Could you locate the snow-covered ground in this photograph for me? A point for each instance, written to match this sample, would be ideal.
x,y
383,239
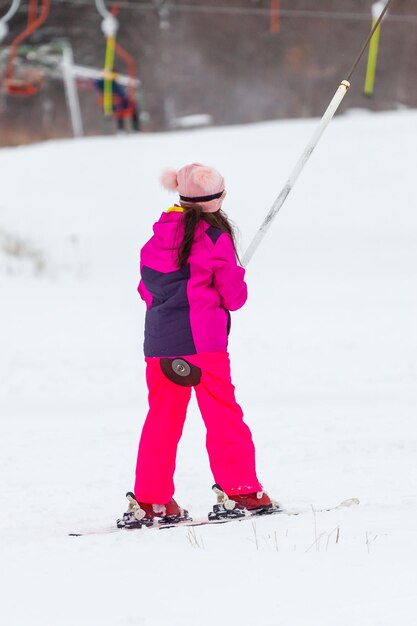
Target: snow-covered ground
x,y
324,361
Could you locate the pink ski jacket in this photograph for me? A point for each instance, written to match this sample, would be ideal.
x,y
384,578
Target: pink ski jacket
x,y
188,309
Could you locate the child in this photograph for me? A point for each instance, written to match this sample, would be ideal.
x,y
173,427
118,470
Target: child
x,y
190,280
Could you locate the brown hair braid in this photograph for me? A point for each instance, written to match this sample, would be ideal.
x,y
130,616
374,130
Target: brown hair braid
x,y
193,214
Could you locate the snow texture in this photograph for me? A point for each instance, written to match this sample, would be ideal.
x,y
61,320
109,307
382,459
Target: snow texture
x,y
324,363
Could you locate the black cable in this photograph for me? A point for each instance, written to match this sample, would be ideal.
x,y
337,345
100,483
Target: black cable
x,y
365,45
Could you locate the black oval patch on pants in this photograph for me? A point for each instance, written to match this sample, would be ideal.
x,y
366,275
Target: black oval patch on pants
x,y
181,372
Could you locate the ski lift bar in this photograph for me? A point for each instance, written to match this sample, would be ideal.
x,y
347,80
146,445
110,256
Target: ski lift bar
x,y
71,94
101,8
14,7
82,71
4,29
328,115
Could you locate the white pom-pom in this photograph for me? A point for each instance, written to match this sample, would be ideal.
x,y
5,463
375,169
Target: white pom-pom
x,y
169,179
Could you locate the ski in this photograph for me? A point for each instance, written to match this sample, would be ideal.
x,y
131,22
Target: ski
x,y
189,522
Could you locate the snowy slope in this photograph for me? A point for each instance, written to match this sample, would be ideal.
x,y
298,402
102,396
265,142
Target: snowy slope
x,y
324,361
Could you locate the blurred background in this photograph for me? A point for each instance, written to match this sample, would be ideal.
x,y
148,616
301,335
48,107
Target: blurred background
x,y
172,64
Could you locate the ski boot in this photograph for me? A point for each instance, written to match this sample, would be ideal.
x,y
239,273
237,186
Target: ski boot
x,y
240,505
257,503
141,514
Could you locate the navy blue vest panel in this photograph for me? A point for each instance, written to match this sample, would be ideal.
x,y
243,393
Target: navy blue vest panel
x,y
214,233
167,321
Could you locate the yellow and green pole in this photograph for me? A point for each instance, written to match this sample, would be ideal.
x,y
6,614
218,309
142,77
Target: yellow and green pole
x,y
368,90
109,26
108,76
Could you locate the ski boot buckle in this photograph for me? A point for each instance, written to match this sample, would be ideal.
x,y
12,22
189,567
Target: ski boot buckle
x,y
225,508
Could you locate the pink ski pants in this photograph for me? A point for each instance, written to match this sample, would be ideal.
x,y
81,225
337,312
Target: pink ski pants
x,y
228,441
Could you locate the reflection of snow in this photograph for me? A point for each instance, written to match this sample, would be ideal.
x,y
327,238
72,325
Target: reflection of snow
x,y
192,121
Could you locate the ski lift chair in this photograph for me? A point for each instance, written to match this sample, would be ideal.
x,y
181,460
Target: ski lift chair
x,y
27,82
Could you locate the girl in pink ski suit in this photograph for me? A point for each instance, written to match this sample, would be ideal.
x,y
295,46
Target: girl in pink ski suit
x,y
190,281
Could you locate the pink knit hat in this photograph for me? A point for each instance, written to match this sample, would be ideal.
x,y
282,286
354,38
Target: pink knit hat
x,y
196,183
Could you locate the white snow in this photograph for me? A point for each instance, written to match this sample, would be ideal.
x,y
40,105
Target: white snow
x,y
324,362
191,121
